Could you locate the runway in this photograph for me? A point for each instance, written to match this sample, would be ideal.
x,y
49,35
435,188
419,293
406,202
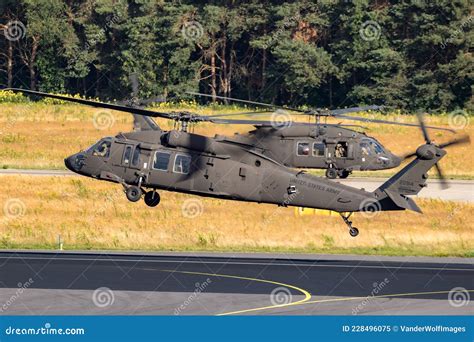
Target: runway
x,y
58,283
459,190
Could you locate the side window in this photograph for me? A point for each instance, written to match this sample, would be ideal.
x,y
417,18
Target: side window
x,y
126,155
182,163
341,149
161,160
303,149
136,156
319,149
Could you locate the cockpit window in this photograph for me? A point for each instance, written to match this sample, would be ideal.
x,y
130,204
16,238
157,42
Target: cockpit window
x,y
102,148
370,146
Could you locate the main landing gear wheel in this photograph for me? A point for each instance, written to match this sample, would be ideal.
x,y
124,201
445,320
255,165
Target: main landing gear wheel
x,y
152,198
344,174
134,193
353,231
331,173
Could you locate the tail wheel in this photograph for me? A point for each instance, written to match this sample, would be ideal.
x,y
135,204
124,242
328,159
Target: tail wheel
x,y
331,173
152,198
133,193
354,231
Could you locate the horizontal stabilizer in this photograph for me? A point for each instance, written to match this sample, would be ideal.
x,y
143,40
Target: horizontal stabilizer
x,y
403,201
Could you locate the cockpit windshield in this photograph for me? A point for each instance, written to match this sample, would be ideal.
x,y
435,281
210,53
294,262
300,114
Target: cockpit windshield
x,y
101,148
371,146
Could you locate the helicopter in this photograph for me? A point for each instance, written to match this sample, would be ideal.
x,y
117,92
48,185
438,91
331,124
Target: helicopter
x,y
338,148
152,159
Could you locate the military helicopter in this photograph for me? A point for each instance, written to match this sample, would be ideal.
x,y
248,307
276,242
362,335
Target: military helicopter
x,y
338,148
152,159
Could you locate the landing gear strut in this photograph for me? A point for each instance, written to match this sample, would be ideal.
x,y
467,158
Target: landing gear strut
x,y
353,231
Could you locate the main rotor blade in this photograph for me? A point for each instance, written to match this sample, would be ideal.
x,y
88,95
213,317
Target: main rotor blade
x,y
358,118
343,111
423,127
465,139
97,104
275,124
261,112
443,182
246,101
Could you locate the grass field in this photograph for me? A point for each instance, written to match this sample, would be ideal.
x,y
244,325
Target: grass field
x,y
89,214
40,135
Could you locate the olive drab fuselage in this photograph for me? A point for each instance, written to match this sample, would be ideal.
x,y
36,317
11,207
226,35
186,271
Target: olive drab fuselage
x,y
217,167
320,147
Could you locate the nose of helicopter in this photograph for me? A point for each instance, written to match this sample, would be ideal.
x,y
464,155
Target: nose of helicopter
x,y
69,163
395,160
74,162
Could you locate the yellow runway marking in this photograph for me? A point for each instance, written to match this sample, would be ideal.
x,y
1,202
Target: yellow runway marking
x,y
307,298
299,302
381,296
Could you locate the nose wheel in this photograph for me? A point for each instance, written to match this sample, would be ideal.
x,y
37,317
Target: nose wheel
x,y
353,231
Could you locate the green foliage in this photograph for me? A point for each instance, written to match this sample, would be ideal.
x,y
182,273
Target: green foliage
x,y
406,54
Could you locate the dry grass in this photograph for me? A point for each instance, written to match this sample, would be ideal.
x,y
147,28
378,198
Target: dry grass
x,y
40,135
90,214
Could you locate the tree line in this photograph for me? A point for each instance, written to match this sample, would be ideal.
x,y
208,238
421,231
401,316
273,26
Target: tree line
x,y
412,54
